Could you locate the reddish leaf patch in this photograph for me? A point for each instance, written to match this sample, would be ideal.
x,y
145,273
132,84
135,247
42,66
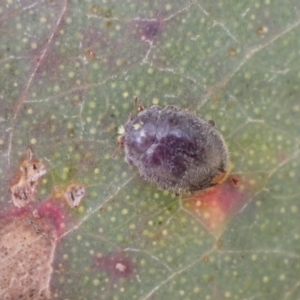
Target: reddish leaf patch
x,y
117,265
216,206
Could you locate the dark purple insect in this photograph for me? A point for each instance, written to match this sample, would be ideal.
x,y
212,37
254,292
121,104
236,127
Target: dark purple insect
x,y
175,149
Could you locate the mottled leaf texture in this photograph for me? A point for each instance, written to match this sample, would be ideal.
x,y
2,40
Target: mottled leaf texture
x,y
77,224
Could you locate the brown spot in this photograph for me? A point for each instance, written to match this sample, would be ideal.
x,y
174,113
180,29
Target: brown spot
x,y
23,191
108,24
74,194
235,180
232,52
95,9
219,244
262,30
90,54
206,258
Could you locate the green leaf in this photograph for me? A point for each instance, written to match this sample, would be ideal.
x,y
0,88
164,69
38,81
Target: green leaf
x,y
69,73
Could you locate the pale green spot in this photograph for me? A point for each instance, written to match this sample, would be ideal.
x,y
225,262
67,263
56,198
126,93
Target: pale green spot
x,y
294,209
265,279
150,71
71,74
92,104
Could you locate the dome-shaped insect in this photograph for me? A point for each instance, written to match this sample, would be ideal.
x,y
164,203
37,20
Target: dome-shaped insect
x,y
175,149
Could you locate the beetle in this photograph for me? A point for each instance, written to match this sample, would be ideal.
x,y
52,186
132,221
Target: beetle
x,y
175,149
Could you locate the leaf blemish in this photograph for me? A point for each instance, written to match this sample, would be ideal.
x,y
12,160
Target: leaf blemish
x,y
24,189
147,30
117,265
216,206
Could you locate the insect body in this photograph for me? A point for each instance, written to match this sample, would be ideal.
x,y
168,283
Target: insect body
x,y
175,149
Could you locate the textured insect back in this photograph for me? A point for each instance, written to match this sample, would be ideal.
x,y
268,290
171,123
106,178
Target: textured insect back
x,y
175,149
140,133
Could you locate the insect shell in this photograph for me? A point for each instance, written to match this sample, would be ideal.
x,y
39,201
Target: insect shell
x,y
175,149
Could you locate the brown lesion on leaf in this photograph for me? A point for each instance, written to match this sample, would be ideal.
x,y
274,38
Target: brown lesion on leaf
x,y
219,244
72,194
206,258
262,30
95,9
23,191
235,181
232,52
90,54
